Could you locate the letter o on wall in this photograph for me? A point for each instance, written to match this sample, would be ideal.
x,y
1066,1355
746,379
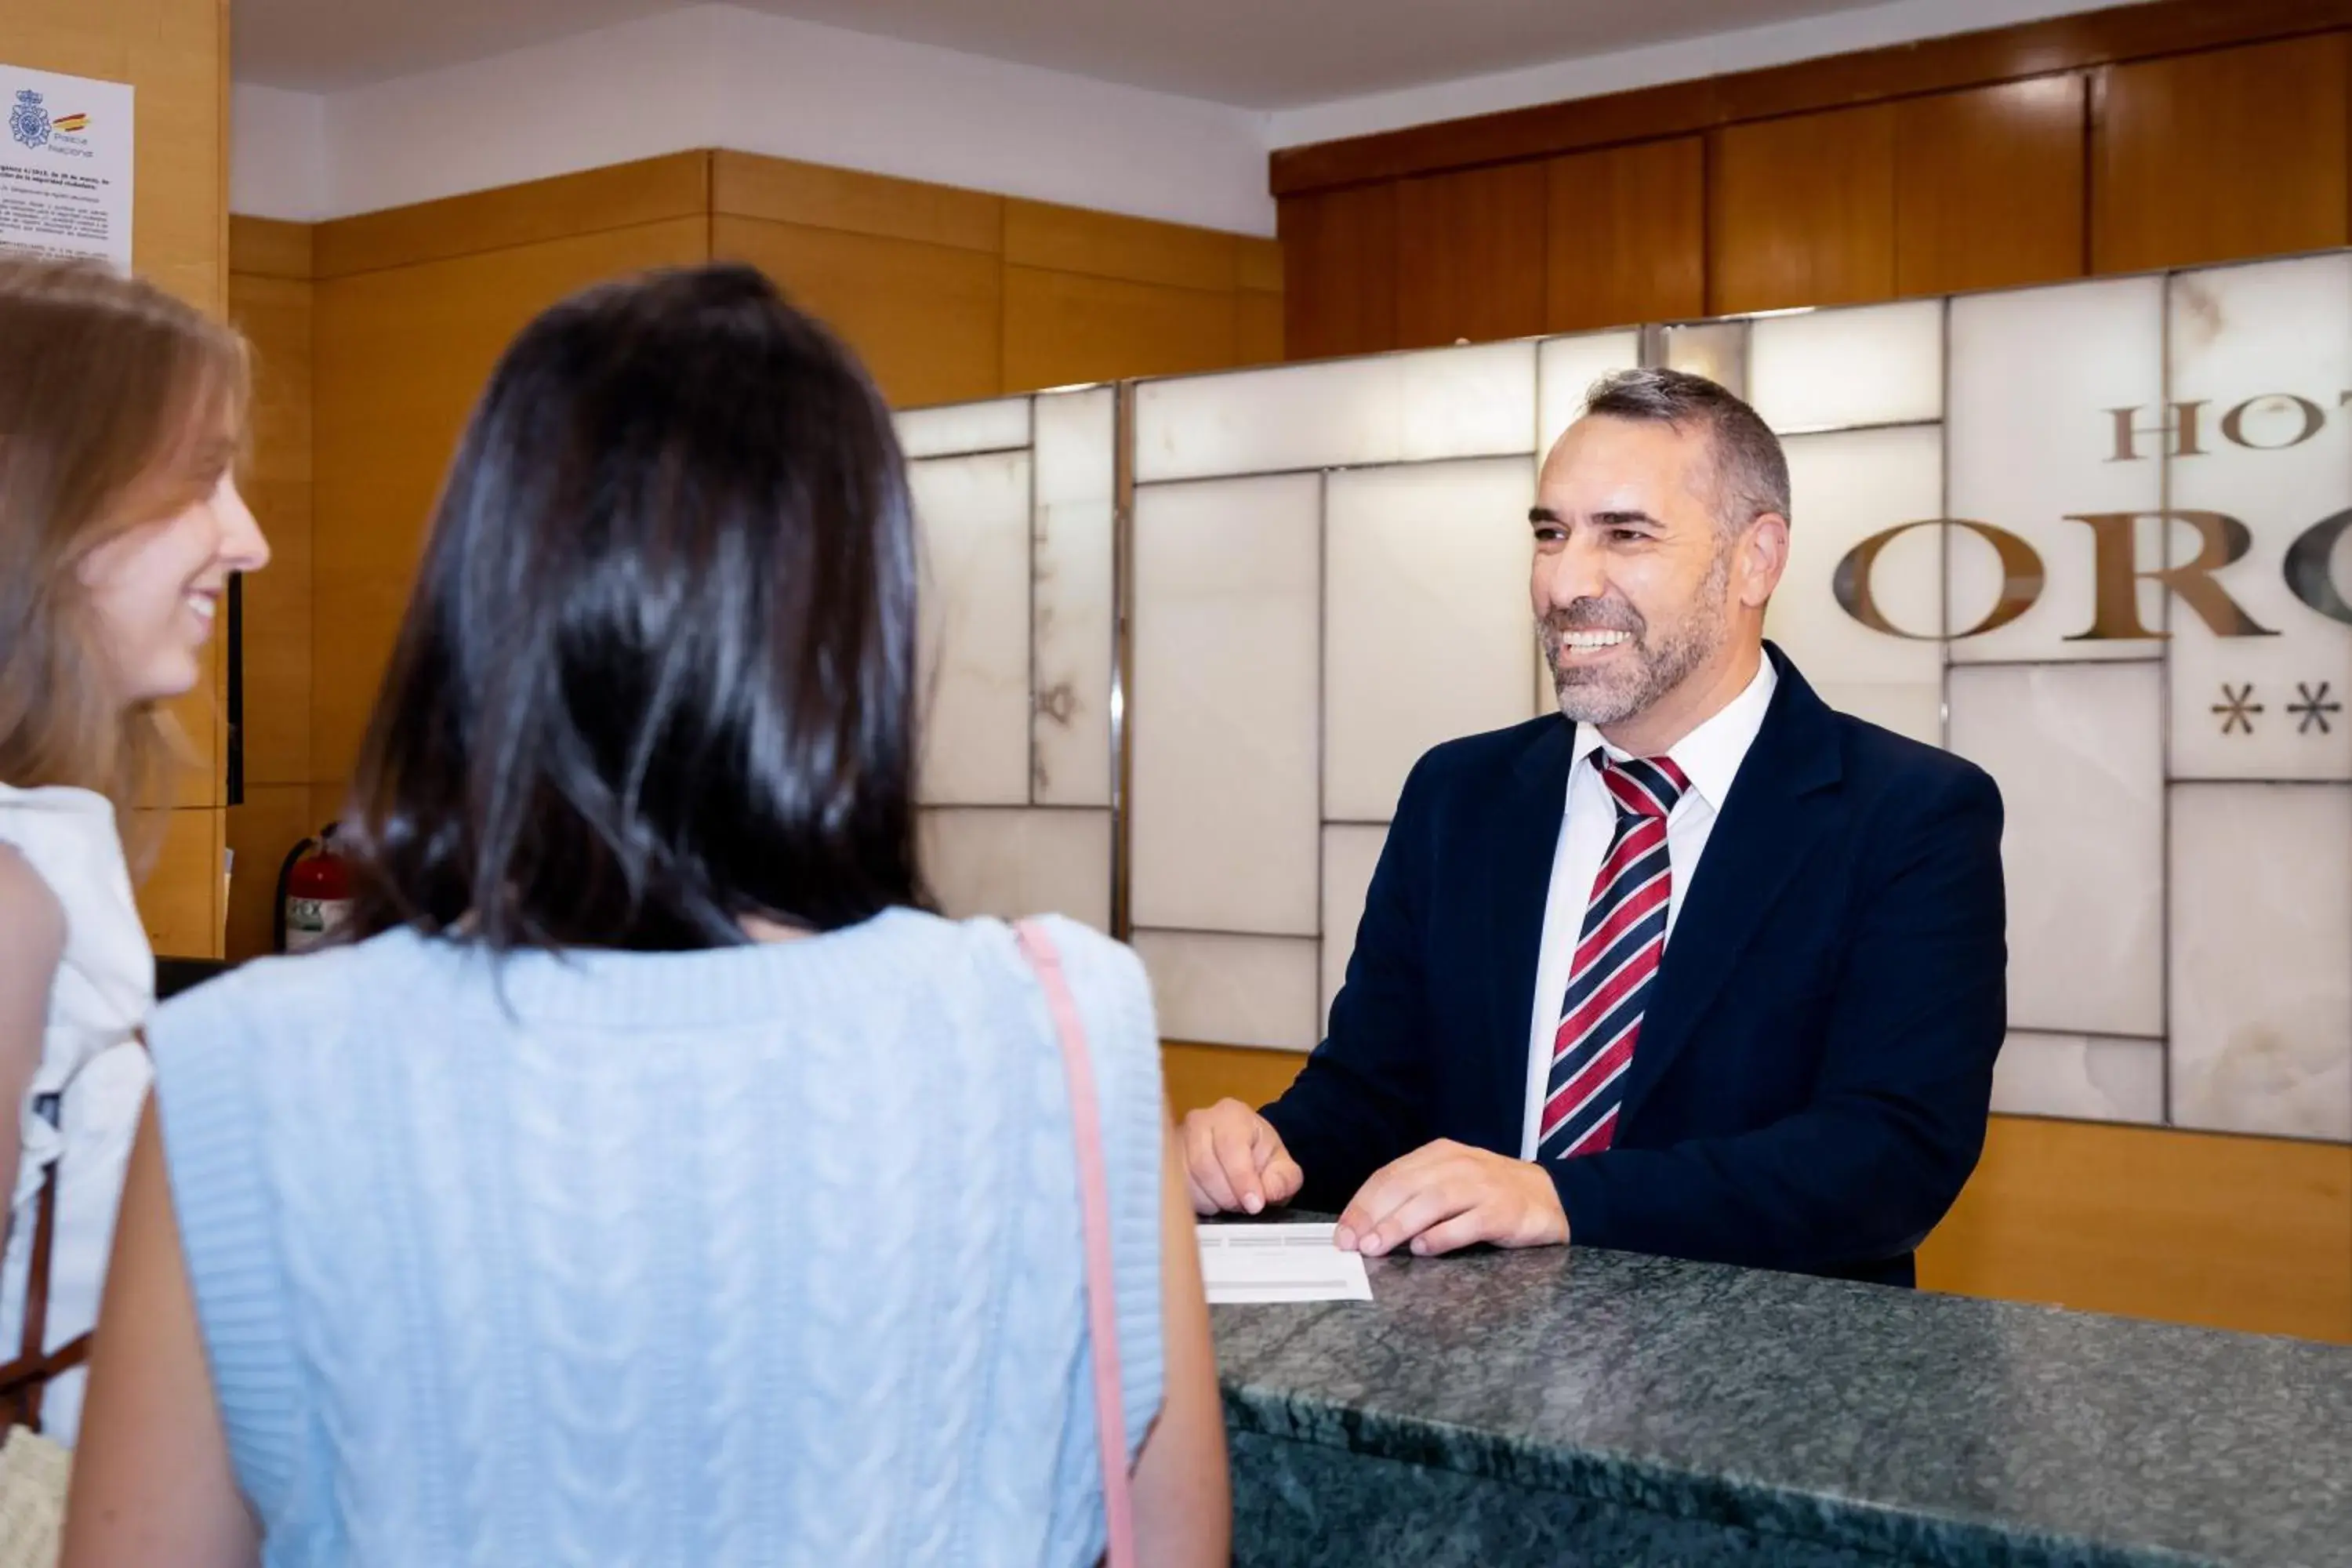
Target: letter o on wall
x,y
2022,578
2233,423
2306,567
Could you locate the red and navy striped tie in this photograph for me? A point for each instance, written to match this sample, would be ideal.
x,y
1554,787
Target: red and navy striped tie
x,y
1617,954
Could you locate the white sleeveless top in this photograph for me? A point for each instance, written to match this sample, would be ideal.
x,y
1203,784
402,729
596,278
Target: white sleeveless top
x,y
90,1063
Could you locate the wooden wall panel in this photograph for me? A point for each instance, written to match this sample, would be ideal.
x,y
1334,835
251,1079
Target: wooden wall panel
x,y
1257,328
268,248
1203,1075
907,273
1626,235
1041,236
951,294
1257,264
199,714
2167,133
2228,154
1062,328
1094,296
277,647
1338,261
1259,302
275,314
180,900
1470,255
623,195
2141,29
278,634
1801,211
271,821
744,185
273,300
927,319
2236,1233
401,356
1989,185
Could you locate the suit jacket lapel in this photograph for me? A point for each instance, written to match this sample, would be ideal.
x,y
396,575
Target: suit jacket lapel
x,y
1526,828
1780,803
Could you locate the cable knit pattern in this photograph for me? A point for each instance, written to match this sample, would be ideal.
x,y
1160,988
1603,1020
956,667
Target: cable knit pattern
x,y
766,1255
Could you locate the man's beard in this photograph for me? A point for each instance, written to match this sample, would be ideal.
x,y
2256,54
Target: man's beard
x,y
1611,694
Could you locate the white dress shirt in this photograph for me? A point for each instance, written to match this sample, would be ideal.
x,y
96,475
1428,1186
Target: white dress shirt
x,y
1709,756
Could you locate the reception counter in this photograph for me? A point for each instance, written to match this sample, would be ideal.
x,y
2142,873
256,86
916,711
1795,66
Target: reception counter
x,y
1574,1406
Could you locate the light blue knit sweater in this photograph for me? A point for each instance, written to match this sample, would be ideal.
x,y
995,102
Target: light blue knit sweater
x,y
760,1255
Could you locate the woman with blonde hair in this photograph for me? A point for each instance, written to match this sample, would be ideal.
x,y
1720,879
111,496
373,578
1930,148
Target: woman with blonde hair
x,y
122,411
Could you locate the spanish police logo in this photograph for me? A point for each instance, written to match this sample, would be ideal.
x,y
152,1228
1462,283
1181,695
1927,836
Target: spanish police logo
x,y
29,122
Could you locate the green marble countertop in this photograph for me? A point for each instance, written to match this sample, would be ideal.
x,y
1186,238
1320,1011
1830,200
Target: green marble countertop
x,y
1849,1417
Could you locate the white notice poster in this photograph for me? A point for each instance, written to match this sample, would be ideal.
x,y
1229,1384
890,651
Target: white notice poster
x,y
65,166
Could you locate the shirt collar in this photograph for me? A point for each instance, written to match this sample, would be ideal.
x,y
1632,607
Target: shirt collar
x,y
1710,755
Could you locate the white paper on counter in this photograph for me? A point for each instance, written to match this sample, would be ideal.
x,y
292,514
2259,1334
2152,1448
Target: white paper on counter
x,y
1241,1263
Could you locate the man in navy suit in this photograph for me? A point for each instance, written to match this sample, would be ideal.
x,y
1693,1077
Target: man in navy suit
x,y
1700,968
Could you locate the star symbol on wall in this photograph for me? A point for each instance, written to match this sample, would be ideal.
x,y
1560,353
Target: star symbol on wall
x,y
2313,709
2237,708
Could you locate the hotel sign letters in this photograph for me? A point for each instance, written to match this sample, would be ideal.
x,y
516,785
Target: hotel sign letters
x,y
2272,422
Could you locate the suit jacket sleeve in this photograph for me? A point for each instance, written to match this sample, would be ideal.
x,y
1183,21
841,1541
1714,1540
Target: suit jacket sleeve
x,y
1897,1117
1357,1104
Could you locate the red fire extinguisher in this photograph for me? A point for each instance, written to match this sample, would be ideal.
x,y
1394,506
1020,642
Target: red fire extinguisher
x,y
314,893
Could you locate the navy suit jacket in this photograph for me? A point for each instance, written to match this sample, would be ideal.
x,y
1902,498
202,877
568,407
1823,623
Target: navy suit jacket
x,y
1809,1088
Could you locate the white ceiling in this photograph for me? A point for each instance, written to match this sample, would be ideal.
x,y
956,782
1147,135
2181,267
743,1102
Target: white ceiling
x,y
1253,54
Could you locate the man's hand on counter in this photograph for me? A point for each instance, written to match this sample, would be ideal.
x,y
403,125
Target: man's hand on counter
x,y
1234,1162
1445,1196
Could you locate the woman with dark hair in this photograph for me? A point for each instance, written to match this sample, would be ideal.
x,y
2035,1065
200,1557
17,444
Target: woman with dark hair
x,y
648,1179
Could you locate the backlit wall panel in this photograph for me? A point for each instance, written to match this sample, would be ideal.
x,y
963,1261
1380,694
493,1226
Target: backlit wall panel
x,y
1392,408
1844,485
2084,1078
1302,636
1837,370
2261,357
1214,988
1433,636
2030,447
1072,606
1566,368
1015,523
2078,752
1227,717
1014,863
2262,921
972,525
999,425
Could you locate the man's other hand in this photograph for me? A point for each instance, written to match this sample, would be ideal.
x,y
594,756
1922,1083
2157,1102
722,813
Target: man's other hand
x,y
1445,1196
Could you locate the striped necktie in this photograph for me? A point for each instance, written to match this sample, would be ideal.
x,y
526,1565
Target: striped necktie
x,y
1617,953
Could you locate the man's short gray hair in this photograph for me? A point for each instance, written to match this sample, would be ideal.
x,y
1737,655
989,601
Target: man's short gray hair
x,y
1751,474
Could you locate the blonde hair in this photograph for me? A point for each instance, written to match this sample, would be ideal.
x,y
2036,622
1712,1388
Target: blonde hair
x,y
118,406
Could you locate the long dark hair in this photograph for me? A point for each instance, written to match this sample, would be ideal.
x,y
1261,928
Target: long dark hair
x,y
658,670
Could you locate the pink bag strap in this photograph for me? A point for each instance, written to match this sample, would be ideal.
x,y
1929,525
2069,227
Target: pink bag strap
x,y
1094,1207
